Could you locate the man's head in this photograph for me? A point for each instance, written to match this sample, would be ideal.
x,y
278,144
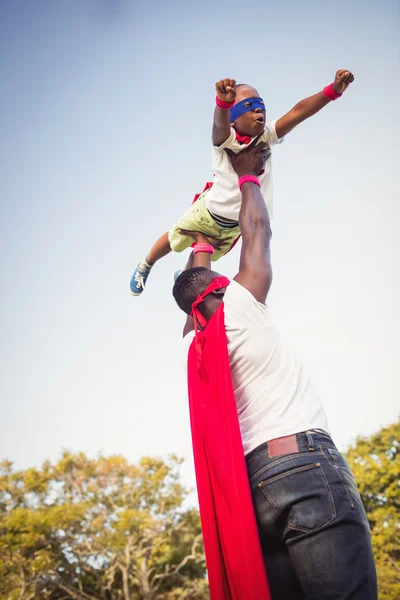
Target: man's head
x,y
190,284
251,123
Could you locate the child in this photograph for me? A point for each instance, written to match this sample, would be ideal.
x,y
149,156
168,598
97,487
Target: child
x,y
239,117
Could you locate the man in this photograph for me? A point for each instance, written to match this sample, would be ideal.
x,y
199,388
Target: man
x,y
313,528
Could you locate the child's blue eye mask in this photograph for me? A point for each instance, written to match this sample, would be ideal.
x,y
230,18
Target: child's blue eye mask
x,y
245,106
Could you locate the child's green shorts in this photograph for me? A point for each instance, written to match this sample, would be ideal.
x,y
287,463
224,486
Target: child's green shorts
x,y
197,218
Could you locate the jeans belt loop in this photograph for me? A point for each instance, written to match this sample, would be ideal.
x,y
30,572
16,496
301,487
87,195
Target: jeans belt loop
x,y
310,441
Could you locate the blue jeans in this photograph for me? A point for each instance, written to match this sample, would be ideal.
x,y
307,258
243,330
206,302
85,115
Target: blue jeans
x,y
314,532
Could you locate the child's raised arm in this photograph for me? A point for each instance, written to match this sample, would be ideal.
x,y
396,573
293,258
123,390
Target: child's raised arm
x,y
310,106
226,93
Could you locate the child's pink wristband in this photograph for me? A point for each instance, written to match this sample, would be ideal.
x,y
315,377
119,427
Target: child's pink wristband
x,y
224,105
203,248
246,178
330,93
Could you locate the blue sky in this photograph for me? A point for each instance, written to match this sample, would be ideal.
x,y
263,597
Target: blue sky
x,y
106,111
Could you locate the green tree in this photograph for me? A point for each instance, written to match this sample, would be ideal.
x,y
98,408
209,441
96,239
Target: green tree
x,y
375,462
101,529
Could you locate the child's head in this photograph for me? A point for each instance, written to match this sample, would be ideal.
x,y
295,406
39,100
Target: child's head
x,y
252,122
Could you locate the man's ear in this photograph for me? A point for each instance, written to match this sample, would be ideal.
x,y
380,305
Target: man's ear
x,y
233,124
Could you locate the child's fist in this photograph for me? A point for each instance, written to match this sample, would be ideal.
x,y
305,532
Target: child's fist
x,y
226,90
342,81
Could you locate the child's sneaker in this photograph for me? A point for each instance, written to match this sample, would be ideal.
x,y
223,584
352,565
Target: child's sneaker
x,y
139,278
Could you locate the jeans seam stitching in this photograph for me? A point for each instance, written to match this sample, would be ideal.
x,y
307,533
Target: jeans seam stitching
x,y
343,483
290,472
283,458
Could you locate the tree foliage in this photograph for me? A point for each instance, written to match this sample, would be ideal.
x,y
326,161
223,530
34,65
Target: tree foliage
x,y
101,529
375,462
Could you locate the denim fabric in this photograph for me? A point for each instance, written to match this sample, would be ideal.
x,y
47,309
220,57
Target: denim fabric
x,y
313,528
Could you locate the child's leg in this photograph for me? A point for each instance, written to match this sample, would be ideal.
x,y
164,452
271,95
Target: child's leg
x,y
160,249
196,218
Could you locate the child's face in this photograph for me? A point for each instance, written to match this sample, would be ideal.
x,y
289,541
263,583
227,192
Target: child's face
x,y
251,123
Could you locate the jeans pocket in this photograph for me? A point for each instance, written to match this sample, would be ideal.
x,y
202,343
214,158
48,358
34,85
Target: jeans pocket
x,y
302,495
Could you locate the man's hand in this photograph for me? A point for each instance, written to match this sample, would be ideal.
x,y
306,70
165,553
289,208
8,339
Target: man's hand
x,y
226,90
250,161
201,259
342,81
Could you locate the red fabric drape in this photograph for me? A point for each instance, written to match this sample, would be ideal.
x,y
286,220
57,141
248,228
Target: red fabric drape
x,y
233,553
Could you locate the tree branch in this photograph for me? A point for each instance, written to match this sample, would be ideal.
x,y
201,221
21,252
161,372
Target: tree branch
x,y
167,573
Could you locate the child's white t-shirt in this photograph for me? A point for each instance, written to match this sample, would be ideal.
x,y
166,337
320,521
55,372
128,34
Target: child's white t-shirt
x,y
224,198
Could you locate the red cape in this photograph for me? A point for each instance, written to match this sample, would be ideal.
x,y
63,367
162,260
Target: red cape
x,y
235,564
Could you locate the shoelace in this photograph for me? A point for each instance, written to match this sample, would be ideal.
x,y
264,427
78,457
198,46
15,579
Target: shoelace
x,y
139,280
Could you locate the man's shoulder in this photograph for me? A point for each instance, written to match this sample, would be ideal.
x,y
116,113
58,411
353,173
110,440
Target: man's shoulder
x,y
238,300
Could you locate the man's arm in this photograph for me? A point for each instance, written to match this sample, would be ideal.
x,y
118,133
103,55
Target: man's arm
x,y
200,259
310,106
226,92
255,271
